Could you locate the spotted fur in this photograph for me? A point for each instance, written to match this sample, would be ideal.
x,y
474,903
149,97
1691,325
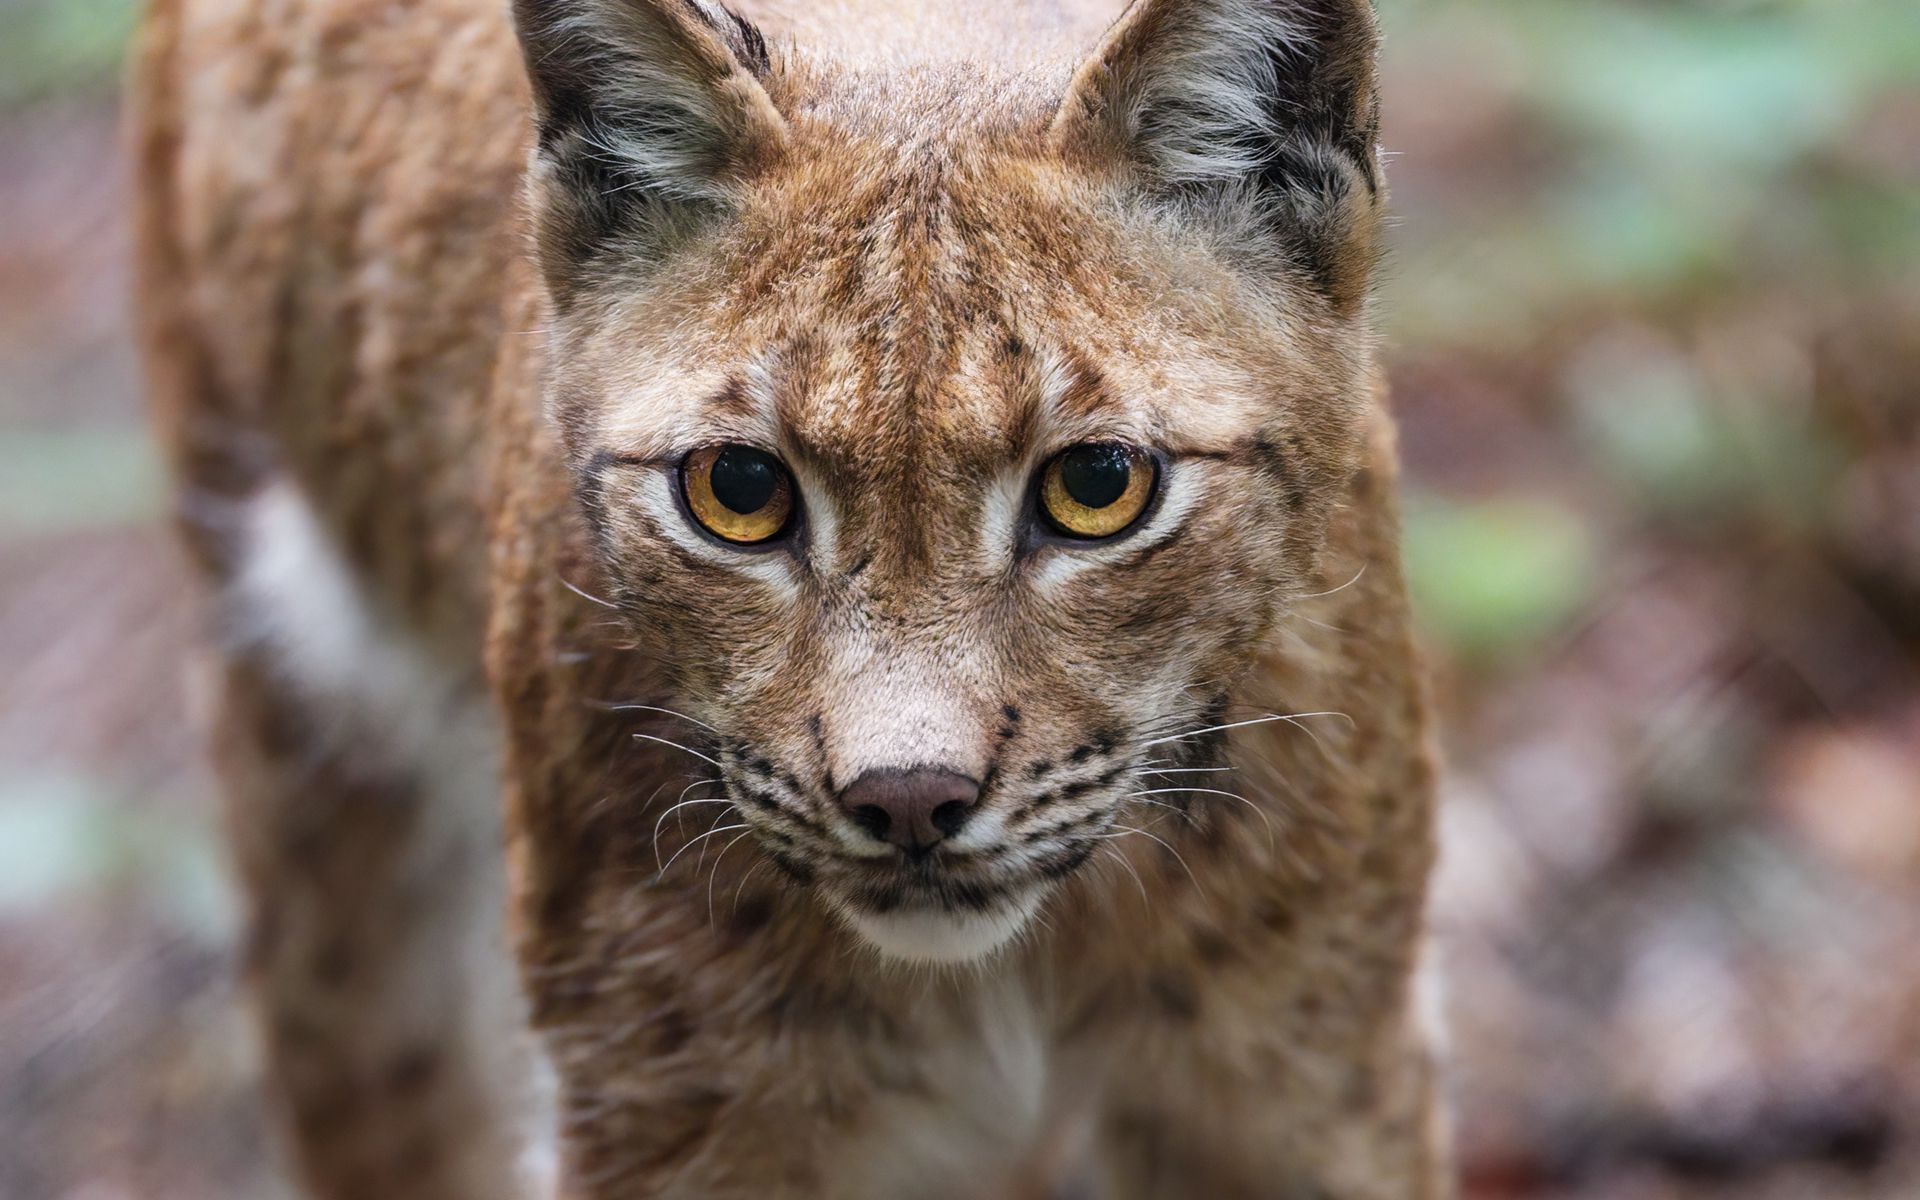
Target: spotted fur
x,y
1170,951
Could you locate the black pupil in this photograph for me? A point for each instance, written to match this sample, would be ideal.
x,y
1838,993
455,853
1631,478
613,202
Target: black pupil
x,y
1096,476
744,479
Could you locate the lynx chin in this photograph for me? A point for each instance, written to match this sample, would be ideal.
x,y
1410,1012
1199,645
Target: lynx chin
x,y
807,597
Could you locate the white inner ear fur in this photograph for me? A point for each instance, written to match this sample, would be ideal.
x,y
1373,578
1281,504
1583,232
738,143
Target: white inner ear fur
x,y
644,69
1217,75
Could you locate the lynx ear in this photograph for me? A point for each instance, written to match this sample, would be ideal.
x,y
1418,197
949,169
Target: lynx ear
x,y
648,113
1262,112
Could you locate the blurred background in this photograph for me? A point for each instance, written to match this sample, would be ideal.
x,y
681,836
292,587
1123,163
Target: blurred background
x,y
1654,321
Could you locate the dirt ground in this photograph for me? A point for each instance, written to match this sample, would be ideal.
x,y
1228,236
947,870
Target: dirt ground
x,y
1660,392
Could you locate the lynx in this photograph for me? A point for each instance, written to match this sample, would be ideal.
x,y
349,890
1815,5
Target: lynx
x,y
804,603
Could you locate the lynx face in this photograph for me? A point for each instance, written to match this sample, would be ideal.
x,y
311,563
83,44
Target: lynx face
x,y
953,453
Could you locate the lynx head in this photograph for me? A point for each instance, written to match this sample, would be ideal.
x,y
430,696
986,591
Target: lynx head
x,y
952,439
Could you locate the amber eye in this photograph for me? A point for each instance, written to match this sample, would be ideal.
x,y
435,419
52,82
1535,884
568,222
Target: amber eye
x,y
738,493
1098,489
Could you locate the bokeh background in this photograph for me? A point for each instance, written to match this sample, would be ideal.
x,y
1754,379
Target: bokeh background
x,y
1654,319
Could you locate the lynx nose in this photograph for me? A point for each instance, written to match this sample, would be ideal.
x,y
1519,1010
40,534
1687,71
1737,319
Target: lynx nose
x,y
912,809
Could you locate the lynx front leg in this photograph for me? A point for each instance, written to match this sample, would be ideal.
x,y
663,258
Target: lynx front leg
x,y
367,920
362,803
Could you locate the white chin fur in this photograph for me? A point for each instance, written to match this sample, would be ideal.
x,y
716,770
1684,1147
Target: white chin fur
x,y
932,936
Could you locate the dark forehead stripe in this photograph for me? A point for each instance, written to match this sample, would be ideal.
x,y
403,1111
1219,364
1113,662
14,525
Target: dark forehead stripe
x,y
732,398
908,276
1086,391
799,370
1017,373
921,362
901,383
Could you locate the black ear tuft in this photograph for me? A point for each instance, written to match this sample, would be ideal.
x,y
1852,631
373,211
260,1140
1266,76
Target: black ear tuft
x,y
748,43
1264,112
647,113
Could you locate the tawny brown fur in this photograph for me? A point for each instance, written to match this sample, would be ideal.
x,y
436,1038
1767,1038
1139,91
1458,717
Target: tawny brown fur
x,y
914,273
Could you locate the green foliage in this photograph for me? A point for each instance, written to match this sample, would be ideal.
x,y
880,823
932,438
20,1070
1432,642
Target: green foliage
x,y
1492,576
1690,146
64,837
48,47
1615,177
68,480
1649,420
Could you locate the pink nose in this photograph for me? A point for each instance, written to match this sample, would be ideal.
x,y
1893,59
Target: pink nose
x,y
913,809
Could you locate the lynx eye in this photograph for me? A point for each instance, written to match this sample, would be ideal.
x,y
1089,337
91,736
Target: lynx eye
x,y
738,493
1097,489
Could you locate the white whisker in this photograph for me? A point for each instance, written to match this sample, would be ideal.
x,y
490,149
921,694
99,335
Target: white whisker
x,y
741,886
647,737
703,837
585,595
1258,811
715,873
1294,718
718,817
682,796
1172,808
1124,830
676,808
1299,616
1120,858
1343,587
1191,791
600,804
656,708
